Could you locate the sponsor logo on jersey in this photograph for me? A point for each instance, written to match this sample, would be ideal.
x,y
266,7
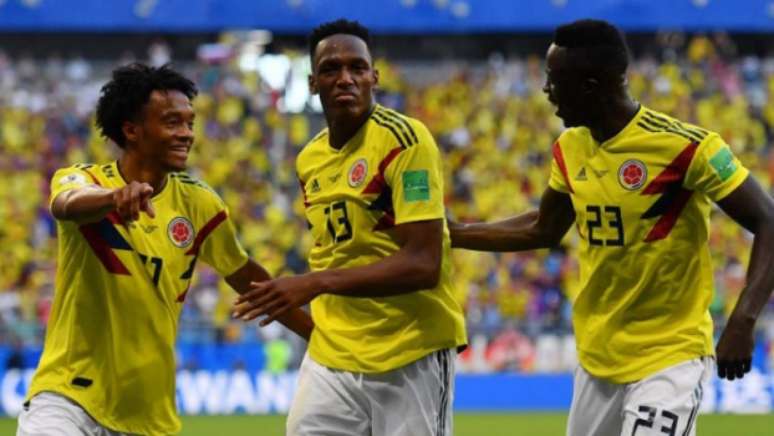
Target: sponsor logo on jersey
x,y
315,186
581,175
180,232
632,174
357,173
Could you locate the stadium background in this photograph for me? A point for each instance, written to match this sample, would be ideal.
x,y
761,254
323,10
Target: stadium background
x,y
472,70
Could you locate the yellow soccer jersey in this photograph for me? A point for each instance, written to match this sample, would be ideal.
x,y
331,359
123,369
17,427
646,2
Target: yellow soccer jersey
x,y
120,288
642,202
389,173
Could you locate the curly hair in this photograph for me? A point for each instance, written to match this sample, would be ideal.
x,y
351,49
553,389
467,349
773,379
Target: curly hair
x,y
126,94
340,26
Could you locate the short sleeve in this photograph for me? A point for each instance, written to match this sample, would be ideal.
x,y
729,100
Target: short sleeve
x,y
416,180
69,178
558,180
714,170
220,248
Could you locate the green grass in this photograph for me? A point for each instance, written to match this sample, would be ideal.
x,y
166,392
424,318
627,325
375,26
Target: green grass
x,y
484,424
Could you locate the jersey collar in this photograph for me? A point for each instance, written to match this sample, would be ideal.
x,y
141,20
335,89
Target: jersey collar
x,y
632,124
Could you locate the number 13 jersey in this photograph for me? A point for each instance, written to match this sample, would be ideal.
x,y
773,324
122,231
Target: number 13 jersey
x,y
388,174
642,203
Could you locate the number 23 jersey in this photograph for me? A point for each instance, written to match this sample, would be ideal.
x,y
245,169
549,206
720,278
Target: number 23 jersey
x,y
642,203
388,174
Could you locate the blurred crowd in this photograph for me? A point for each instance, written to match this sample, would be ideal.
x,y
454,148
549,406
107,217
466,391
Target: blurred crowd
x,y
491,120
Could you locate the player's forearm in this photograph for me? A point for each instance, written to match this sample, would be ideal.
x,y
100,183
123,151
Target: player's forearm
x,y
401,273
760,277
299,322
82,205
296,320
513,234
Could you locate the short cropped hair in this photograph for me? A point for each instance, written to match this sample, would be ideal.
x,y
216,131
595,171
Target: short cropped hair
x,y
126,94
597,45
340,26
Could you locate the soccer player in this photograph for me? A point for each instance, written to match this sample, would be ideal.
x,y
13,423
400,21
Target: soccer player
x,y
381,357
639,187
130,233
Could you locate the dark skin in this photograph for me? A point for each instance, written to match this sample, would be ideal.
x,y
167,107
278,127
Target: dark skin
x,y
156,144
345,79
749,205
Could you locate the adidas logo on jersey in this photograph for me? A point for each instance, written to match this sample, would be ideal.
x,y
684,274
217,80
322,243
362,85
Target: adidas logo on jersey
x,y
581,177
315,186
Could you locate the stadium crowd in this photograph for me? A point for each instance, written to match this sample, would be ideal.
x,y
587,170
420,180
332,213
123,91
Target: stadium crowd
x,y
492,121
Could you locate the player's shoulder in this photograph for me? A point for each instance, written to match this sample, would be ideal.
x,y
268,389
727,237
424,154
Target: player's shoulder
x,y
310,153
192,185
399,130
572,139
83,172
671,129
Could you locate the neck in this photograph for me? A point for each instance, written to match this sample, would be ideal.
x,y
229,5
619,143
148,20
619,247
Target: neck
x,y
342,127
614,118
135,169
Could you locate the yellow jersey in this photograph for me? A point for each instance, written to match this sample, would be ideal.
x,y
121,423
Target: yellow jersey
x,y
120,288
388,174
642,202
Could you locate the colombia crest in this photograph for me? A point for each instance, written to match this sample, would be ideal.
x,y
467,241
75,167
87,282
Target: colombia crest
x,y
180,232
357,173
632,174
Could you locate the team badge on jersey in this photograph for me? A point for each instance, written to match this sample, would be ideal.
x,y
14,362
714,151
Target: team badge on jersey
x,y
632,174
180,232
357,173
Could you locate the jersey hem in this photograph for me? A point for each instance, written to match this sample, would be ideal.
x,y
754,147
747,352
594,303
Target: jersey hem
x,y
406,359
635,376
106,423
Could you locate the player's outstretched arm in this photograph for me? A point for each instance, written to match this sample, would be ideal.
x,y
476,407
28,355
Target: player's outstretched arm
x,y
540,228
296,319
750,206
91,203
415,266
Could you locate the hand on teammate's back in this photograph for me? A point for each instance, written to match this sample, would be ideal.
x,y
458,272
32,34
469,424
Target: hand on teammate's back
x,y
734,350
132,199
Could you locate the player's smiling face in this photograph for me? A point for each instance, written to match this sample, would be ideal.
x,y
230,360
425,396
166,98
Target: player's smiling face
x,y
564,88
343,75
167,129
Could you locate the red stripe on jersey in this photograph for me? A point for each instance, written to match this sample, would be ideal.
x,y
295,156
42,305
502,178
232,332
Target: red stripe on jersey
x,y
667,221
674,197
96,182
559,157
205,231
674,172
115,218
303,191
387,221
102,250
181,298
378,183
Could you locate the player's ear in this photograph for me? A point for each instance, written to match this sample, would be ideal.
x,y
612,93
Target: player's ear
x,y
375,72
312,85
131,131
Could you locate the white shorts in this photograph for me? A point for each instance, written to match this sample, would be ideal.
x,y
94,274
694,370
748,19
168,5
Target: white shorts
x,y
665,403
51,414
415,400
